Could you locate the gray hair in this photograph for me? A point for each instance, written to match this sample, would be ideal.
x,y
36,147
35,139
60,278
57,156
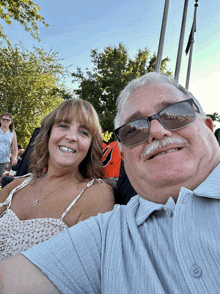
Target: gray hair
x,y
151,78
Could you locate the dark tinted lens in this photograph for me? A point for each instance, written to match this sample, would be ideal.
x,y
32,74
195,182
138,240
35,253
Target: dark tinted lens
x,y
177,115
134,132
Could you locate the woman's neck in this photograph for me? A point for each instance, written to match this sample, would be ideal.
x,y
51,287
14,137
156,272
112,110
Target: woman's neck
x,y
4,129
75,175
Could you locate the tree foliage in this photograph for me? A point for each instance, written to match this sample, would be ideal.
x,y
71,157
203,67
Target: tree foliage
x,y
23,11
30,87
112,70
214,116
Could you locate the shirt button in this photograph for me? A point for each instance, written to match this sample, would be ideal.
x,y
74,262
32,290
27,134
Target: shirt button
x,y
169,212
195,271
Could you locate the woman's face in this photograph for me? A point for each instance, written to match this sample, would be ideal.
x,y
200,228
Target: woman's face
x,y
6,121
68,144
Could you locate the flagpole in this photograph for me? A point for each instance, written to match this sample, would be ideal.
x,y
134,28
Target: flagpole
x,y
180,49
162,36
191,42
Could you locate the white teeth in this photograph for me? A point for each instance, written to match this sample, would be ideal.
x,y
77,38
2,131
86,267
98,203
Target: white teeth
x,y
65,149
170,150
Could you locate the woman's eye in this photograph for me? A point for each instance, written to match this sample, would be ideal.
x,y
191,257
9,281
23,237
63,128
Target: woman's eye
x,y
85,133
62,126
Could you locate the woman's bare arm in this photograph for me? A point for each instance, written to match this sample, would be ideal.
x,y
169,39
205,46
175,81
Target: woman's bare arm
x,y
14,149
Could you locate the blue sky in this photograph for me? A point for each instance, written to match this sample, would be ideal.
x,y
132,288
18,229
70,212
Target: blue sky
x,y
76,27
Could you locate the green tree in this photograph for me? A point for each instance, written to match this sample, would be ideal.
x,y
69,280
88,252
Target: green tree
x,y
214,116
112,70
30,87
23,11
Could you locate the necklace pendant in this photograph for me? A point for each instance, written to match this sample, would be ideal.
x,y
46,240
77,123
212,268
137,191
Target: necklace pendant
x,y
36,202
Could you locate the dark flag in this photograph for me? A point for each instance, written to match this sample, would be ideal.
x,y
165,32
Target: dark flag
x,y
191,36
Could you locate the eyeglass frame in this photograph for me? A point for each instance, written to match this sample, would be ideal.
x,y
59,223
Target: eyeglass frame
x,y
190,100
6,119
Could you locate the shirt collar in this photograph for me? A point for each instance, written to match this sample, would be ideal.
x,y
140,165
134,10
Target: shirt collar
x,y
210,188
143,208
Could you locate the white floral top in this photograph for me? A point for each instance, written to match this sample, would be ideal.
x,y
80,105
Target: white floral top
x,y
18,235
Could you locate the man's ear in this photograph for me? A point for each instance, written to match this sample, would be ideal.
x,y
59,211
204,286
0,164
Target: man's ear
x,y
209,123
120,151
122,155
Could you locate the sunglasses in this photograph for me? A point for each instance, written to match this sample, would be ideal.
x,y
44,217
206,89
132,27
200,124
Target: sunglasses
x,y
173,117
6,119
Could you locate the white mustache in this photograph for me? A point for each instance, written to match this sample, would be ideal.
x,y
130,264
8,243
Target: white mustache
x,y
157,145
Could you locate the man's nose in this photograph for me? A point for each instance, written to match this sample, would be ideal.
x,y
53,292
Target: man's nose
x,y
158,131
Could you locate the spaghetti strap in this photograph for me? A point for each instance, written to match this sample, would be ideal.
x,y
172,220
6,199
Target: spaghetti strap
x,y
8,200
74,201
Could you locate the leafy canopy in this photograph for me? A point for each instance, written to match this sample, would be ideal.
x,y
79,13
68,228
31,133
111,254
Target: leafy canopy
x,y
23,11
30,87
214,116
112,70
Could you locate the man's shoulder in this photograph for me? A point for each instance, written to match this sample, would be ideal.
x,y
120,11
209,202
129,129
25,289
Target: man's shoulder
x,y
120,213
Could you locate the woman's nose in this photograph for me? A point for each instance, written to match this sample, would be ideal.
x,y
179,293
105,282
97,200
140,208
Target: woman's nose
x,y
71,136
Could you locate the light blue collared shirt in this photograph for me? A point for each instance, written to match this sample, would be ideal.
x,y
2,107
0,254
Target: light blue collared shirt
x,y
140,248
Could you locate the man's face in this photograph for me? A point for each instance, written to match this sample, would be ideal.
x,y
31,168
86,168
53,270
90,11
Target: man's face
x,y
186,161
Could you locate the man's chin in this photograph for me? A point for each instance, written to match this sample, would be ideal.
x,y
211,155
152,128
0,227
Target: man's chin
x,y
165,179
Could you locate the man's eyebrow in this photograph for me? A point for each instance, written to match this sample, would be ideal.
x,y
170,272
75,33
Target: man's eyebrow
x,y
134,116
158,106
166,103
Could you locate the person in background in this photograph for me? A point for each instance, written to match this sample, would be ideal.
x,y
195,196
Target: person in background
x,y
111,162
22,166
166,239
20,151
114,173
8,142
123,190
65,186
217,135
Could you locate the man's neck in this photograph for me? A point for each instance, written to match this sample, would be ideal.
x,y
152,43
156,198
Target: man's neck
x,y
163,193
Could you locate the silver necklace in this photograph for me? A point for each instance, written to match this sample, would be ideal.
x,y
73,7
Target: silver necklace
x,y
40,198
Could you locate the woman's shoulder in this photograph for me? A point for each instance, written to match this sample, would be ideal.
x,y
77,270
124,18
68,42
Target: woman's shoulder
x,y
98,183
100,191
7,190
18,181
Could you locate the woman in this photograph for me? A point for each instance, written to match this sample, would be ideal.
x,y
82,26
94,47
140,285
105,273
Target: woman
x,y
65,187
8,141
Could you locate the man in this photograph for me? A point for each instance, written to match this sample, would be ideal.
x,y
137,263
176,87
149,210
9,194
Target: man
x,y
164,241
